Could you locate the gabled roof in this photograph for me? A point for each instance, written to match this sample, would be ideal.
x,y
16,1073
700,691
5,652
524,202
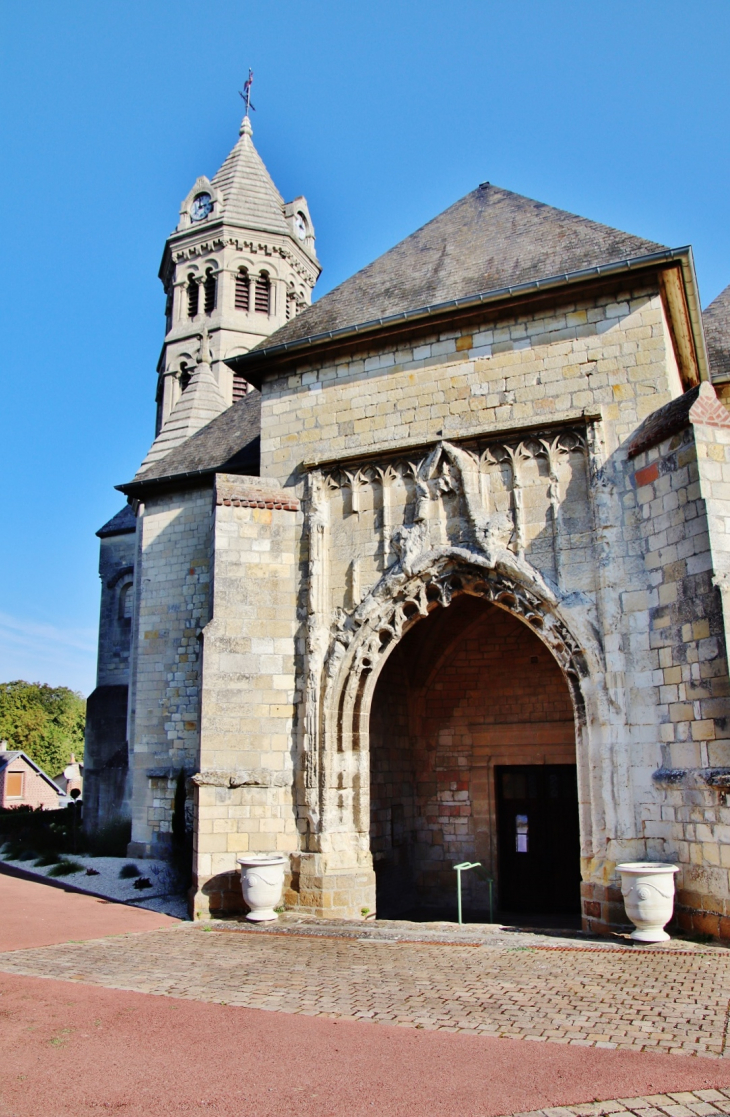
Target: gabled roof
x,y
489,240
10,755
250,197
123,523
716,320
228,444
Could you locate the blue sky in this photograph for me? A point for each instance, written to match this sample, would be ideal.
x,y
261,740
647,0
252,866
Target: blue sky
x,y
382,114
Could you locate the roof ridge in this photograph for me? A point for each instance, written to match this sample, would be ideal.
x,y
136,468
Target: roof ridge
x,y
490,239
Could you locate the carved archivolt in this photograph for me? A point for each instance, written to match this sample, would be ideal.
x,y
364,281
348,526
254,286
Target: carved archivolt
x,y
346,648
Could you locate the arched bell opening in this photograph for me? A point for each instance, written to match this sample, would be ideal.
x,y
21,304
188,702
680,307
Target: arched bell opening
x,y
472,757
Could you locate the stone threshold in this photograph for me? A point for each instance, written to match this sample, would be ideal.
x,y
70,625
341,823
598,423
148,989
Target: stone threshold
x,y
443,933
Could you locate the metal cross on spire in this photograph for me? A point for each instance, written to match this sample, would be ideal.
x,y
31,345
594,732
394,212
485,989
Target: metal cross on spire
x,y
245,93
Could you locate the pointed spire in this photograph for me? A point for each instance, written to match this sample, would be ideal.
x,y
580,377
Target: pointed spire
x,y
201,402
250,198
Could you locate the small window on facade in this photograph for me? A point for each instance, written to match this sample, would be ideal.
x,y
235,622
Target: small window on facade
x,y
14,785
193,297
243,287
263,293
240,387
185,376
209,286
193,294
125,603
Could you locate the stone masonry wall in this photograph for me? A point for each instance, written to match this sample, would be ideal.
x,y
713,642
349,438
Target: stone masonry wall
x,y
116,563
681,494
610,357
611,352
172,588
678,619
245,796
105,747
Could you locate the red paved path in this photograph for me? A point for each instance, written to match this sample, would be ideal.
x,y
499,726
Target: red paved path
x,y
33,914
70,1049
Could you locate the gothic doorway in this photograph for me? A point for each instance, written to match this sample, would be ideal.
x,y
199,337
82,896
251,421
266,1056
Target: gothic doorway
x,y
538,839
470,695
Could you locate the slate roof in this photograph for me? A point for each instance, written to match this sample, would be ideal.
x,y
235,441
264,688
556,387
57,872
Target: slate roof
x,y
228,444
250,197
716,320
663,423
489,240
124,522
201,402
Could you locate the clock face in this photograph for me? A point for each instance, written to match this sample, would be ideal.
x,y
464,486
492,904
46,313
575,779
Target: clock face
x,y
300,224
201,207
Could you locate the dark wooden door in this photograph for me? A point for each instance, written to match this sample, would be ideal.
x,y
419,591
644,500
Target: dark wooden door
x,y
538,836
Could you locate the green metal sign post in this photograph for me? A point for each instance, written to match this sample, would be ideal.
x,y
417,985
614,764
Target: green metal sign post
x,y
459,870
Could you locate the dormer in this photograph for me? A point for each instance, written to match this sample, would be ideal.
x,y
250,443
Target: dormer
x,y
299,220
202,204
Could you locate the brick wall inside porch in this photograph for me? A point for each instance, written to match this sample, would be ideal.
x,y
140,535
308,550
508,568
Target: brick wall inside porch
x,y
466,690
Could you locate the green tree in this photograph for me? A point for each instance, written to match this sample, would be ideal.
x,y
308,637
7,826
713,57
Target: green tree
x,y
45,722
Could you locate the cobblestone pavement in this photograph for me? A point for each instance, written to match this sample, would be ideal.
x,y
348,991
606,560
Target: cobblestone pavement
x,y
698,1103
531,987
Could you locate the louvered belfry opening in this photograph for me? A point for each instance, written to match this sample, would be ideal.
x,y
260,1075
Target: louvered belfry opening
x,y
291,306
242,292
193,295
240,386
263,294
210,285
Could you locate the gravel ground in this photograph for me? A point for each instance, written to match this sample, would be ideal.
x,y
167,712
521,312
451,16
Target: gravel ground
x,y
100,876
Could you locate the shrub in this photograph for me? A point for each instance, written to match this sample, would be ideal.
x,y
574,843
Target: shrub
x,y
65,868
128,872
49,858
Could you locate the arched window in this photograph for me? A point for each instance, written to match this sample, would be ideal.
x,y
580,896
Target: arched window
x,y
193,294
125,603
243,289
262,303
291,305
209,287
185,376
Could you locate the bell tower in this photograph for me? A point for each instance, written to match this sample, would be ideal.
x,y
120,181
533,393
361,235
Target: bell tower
x,y
240,264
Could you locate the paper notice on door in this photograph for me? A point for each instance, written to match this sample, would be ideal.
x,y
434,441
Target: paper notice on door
x,y
521,828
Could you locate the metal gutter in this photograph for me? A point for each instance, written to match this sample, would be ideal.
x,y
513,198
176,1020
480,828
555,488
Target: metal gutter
x,y
130,488
485,298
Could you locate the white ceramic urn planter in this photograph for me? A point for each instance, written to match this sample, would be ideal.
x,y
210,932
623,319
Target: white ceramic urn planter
x,y
262,883
648,891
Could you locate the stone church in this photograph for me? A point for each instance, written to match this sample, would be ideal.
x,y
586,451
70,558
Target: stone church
x,y
434,569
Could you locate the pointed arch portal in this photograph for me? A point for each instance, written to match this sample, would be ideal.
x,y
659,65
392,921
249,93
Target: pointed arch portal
x,y
453,702
472,757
